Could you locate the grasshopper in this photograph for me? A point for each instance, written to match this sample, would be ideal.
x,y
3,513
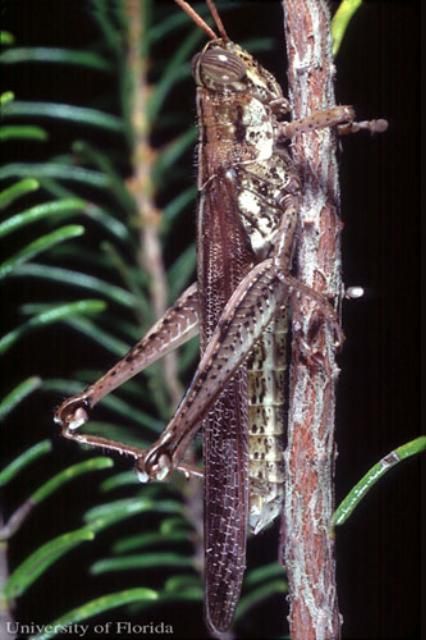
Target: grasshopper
x,y
247,230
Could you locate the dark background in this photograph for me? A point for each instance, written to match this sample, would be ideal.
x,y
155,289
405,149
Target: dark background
x,y
378,550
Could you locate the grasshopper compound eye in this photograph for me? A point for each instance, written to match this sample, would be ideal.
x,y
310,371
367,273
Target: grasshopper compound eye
x,y
216,68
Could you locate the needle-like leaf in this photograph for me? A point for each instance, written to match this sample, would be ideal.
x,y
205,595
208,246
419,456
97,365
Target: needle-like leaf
x,y
142,561
87,59
256,596
23,132
54,170
75,278
150,539
265,572
54,314
40,560
52,485
17,190
6,38
38,246
98,606
341,20
357,493
181,271
38,212
23,460
68,112
19,393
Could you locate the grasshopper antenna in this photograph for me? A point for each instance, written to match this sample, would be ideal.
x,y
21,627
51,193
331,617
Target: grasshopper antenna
x,y
217,19
185,6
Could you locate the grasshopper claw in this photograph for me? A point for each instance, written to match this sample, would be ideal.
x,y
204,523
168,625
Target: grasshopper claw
x,y
73,413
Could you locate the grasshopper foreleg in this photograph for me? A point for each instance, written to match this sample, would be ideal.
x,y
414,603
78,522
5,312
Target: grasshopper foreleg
x,y
342,117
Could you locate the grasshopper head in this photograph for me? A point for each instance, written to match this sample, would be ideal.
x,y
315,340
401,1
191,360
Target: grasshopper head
x,y
225,67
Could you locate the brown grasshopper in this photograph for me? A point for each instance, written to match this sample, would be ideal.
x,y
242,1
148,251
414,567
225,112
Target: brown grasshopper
x,y
247,220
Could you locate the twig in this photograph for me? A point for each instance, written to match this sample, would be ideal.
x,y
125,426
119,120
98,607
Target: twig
x,y
6,532
16,520
310,454
151,256
142,186
6,617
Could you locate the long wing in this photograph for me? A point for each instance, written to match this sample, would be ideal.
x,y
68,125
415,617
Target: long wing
x,y
224,257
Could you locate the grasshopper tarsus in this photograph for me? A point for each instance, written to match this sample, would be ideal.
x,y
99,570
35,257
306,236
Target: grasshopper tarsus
x,y
373,126
73,412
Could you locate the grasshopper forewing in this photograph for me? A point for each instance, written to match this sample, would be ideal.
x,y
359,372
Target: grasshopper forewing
x,y
246,233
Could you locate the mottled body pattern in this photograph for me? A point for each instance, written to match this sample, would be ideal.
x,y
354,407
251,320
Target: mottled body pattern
x,y
243,186
247,189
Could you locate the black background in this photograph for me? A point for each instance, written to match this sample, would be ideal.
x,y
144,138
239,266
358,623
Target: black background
x,y
378,550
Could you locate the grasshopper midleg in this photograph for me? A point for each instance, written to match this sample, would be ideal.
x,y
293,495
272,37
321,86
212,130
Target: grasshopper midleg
x,y
178,324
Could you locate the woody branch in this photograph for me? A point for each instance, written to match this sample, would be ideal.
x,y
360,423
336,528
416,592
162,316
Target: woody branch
x,y
310,454
141,184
